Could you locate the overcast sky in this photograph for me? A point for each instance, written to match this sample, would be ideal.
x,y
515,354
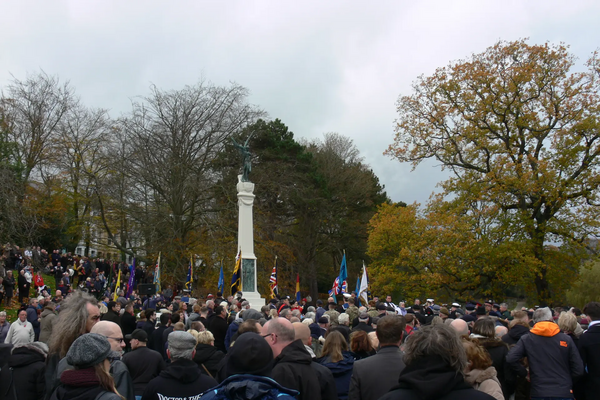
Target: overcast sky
x,y
319,66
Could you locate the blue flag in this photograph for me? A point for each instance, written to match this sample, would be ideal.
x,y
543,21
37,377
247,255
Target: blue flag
x,y
358,290
236,278
131,279
343,273
221,284
190,277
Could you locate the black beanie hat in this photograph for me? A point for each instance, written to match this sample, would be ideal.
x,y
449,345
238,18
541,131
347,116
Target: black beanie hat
x,y
250,354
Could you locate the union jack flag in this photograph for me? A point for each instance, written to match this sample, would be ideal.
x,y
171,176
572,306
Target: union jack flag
x,y
336,287
273,280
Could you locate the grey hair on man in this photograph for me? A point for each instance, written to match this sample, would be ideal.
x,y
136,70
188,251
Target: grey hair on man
x,y
436,340
542,314
182,345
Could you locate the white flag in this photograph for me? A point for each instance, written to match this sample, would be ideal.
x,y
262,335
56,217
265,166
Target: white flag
x,y
364,287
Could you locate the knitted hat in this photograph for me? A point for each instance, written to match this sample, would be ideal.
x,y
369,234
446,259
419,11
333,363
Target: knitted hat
x,y
251,314
88,350
251,354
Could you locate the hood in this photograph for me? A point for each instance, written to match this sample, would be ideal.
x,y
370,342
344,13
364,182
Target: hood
x,y
294,353
545,328
250,387
430,378
517,331
28,354
183,370
480,375
47,312
341,367
204,352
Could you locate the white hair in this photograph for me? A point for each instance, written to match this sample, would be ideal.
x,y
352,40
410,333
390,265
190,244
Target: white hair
x,y
542,314
343,319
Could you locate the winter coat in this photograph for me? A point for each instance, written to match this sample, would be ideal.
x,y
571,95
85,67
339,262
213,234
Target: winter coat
x,y
231,332
485,381
589,348
554,362
292,369
249,387
497,349
218,327
47,322
143,364
182,378
514,334
25,373
342,372
208,356
431,378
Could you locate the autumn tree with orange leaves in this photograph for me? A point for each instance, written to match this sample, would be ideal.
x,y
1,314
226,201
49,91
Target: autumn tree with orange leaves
x,y
520,132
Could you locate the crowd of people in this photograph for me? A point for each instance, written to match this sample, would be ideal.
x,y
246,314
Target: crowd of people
x,y
78,344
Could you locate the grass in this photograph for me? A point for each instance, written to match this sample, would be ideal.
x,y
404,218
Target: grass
x,y
11,312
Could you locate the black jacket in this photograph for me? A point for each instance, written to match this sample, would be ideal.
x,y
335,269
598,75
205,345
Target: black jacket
x,y
589,348
28,365
144,364
112,316
498,349
218,327
363,327
292,369
431,378
554,362
515,333
128,323
208,356
182,378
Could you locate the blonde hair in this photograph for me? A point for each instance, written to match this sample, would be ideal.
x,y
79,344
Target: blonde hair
x,y
194,333
567,322
205,337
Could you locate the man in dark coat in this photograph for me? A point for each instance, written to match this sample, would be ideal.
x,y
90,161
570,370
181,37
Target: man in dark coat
x,y
218,327
554,362
363,324
292,368
589,348
144,364
368,381
182,378
435,360
33,317
112,315
23,286
128,322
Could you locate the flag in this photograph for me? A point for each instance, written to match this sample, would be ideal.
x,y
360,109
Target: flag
x,y
157,274
221,284
363,293
190,277
131,279
117,285
343,274
273,281
298,295
357,291
336,289
236,278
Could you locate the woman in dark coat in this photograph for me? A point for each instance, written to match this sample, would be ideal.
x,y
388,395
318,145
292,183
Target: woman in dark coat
x,y
484,331
339,360
9,287
207,355
23,378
